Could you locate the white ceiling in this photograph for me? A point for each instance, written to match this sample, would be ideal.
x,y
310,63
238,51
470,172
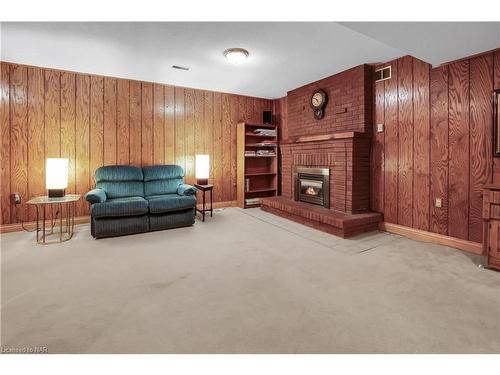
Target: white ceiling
x,y
283,56
434,42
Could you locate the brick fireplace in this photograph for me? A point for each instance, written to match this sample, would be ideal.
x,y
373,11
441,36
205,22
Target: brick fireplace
x,y
339,143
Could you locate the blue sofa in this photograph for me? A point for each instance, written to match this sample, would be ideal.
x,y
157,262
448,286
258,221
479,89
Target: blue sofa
x,y
130,200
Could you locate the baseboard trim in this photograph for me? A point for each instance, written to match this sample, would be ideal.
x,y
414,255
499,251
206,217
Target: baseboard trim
x,y
421,235
7,228
218,204
16,227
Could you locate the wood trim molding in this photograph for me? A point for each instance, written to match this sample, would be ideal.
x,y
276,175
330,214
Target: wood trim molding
x,y
328,137
17,227
420,235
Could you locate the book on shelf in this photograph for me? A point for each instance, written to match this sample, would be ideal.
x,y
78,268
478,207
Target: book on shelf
x,y
249,153
267,132
247,184
267,143
250,201
265,153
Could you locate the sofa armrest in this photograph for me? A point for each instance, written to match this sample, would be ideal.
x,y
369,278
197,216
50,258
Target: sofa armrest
x,y
96,196
185,189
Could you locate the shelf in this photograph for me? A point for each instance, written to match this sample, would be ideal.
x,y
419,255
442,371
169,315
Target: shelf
x,y
252,205
260,174
259,190
256,145
260,135
260,156
267,126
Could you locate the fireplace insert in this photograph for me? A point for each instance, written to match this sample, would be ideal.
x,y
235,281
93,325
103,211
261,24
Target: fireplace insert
x,y
312,185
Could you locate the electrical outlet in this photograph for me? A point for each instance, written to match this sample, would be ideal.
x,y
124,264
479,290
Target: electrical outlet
x,y
380,128
15,198
439,203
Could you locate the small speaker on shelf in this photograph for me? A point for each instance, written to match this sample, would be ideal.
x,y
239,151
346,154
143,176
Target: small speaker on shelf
x,y
267,117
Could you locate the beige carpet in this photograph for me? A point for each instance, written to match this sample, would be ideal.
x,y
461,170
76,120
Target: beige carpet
x,y
246,282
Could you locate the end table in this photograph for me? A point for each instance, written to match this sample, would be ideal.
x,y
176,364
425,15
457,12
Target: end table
x,y
204,189
42,203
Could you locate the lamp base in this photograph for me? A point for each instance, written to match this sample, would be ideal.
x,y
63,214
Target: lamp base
x,y
202,181
56,193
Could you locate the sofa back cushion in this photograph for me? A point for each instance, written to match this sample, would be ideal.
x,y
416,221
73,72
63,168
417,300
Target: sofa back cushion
x,y
162,179
120,181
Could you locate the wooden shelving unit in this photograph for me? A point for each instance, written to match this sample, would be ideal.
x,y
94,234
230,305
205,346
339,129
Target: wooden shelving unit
x,y
260,170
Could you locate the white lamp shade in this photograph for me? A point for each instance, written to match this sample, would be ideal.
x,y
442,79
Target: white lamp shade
x,y
202,166
56,173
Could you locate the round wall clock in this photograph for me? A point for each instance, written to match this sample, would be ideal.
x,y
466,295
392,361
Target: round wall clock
x,y
318,103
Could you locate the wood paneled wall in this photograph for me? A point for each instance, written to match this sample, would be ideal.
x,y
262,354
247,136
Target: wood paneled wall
x,y
96,121
437,143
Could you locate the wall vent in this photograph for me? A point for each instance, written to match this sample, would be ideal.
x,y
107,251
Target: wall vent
x,y
383,74
179,67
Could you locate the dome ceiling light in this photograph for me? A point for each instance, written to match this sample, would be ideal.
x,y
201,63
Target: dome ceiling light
x,y
236,56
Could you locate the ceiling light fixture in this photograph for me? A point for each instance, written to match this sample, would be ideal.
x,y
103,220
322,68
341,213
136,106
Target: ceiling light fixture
x,y
236,56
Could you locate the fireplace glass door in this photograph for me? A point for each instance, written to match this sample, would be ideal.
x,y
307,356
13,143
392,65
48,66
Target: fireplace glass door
x,y
312,185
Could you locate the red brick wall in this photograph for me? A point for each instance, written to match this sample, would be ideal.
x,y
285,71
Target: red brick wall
x,y
349,108
349,105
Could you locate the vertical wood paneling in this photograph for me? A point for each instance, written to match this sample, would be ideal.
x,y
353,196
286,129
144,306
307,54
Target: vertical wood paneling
x,y
19,138
377,202
147,124
497,70
496,83
218,148
458,143
421,144
95,121
82,146
158,124
179,146
405,153
122,122
169,124
36,135
68,135
109,128
96,125
135,132
189,133
208,106
391,147
439,149
199,125
4,143
52,114
226,147
481,86
234,112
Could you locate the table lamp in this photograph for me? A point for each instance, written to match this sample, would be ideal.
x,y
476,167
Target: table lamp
x,y
202,166
56,177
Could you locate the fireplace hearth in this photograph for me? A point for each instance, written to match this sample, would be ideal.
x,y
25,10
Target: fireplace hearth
x,y
312,185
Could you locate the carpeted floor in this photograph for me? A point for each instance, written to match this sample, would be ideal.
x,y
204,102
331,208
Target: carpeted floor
x,y
246,282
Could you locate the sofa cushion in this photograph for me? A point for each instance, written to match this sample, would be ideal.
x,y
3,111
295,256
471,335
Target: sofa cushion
x,y
170,202
118,173
162,179
129,206
120,181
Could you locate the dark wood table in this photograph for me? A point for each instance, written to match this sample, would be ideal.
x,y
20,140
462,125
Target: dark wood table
x,y
204,189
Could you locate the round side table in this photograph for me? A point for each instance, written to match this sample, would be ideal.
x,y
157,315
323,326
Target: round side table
x,y
64,206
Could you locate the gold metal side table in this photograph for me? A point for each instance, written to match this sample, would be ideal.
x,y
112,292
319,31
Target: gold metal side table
x,y
58,208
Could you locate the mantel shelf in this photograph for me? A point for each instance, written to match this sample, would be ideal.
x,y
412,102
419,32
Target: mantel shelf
x,y
327,137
